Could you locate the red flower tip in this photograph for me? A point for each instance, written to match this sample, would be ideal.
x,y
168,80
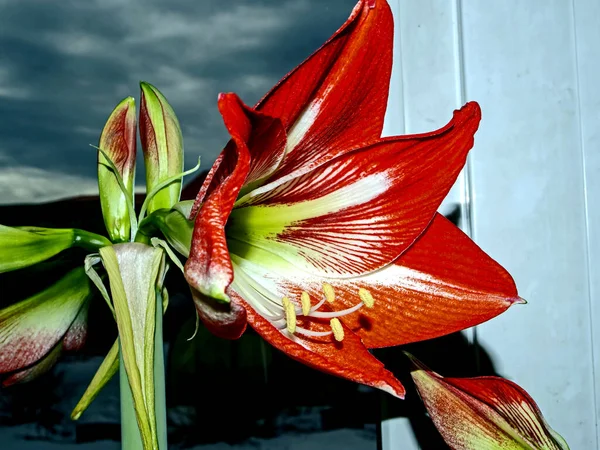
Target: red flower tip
x,y
372,3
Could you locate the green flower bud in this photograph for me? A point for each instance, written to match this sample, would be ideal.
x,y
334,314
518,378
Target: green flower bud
x,y
162,144
118,142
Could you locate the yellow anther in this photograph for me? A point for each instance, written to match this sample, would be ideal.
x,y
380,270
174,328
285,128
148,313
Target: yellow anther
x,y
366,297
336,327
290,314
329,292
305,300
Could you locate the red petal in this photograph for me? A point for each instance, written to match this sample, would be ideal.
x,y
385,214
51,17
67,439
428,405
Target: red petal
x,y
39,368
444,283
208,268
75,338
362,210
31,328
484,412
227,321
336,99
348,76
347,359
265,141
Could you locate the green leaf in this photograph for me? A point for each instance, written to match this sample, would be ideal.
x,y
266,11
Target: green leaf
x,y
24,246
135,271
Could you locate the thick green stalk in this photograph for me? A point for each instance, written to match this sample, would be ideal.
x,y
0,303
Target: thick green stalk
x,y
130,433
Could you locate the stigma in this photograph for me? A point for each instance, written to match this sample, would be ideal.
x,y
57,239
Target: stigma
x,y
303,308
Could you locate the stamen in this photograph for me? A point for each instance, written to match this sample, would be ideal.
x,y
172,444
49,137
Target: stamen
x,y
305,300
290,314
329,292
317,306
366,297
332,314
336,328
312,333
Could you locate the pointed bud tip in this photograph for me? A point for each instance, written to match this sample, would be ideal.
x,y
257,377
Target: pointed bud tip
x,y
128,102
519,301
417,365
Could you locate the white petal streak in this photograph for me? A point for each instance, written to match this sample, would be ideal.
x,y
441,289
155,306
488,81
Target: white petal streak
x,y
302,125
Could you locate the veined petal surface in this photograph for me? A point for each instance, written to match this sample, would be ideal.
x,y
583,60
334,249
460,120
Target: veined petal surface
x,y
321,103
484,413
348,359
336,99
442,284
362,210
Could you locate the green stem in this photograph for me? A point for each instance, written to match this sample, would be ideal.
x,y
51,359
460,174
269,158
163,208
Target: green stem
x,y
130,433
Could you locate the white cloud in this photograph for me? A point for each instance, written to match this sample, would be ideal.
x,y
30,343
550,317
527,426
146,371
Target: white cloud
x,y
24,184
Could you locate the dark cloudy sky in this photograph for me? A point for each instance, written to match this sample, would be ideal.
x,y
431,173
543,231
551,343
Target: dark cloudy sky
x,y
65,64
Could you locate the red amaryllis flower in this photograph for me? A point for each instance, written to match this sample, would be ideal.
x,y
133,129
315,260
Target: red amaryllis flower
x,y
308,215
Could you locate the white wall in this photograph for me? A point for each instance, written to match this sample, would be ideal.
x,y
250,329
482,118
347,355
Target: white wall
x,y
531,186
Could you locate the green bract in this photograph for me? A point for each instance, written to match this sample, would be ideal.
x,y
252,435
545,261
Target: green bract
x,y
136,273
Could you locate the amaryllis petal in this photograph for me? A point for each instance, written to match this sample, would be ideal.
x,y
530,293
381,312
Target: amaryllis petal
x,y
484,412
336,99
208,268
265,140
360,211
118,141
348,359
30,329
225,320
162,143
321,103
444,283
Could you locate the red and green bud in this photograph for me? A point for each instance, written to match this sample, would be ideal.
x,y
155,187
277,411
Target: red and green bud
x,y
118,142
484,413
162,143
35,331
